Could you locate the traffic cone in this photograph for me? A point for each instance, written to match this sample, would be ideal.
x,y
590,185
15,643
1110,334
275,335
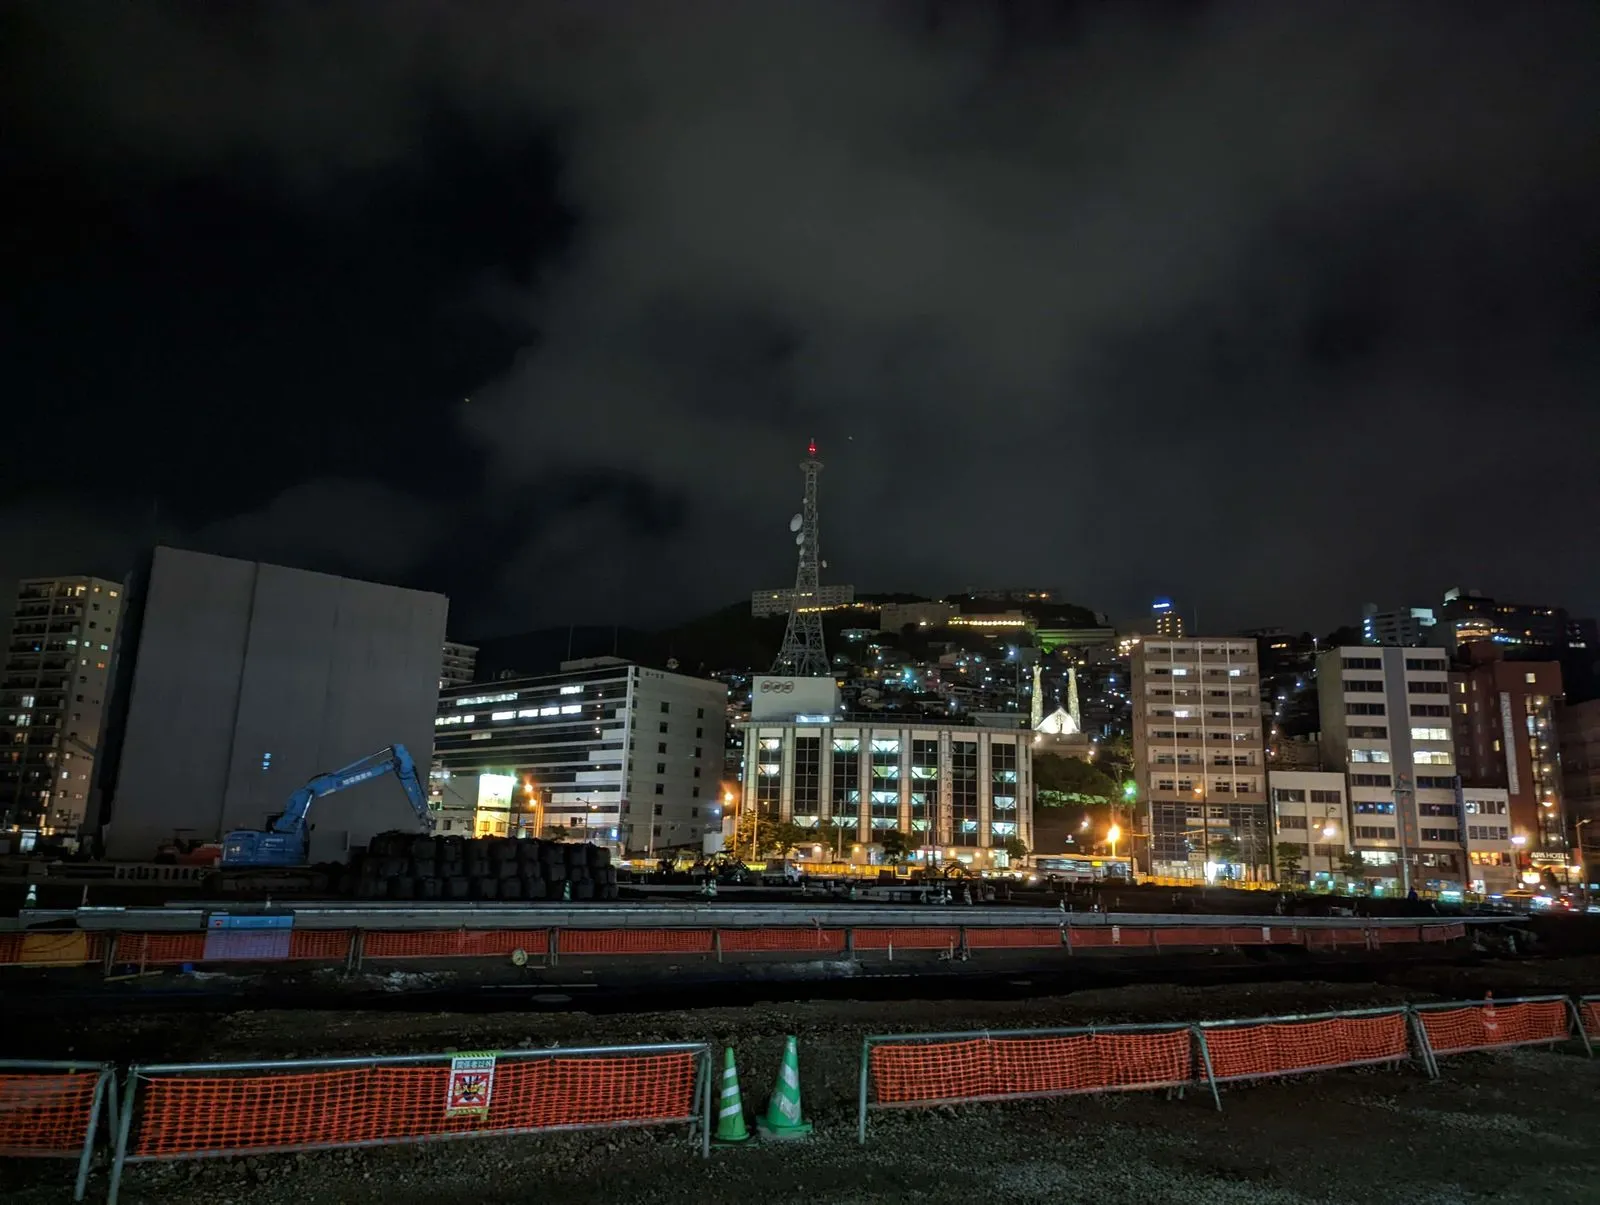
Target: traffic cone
x,y
783,1110
33,896
1491,1023
566,891
730,1107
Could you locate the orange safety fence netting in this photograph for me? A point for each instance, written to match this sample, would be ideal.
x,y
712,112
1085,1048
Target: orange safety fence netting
x,y
51,948
1010,939
45,1112
1589,1011
984,1068
799,940
187,1115
636,941
160,948
454,943
908,938
1487,1025
1287,1047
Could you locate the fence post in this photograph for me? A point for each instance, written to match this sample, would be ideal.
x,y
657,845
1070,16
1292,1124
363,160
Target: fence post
x,y
120,1157
1425,1048
861,1117
1577,1022
1205,1061
709,1105
87,1158
553,944
716,942
108,961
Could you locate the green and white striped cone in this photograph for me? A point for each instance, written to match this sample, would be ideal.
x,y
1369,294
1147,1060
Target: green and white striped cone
x,y
730,1107
783,1118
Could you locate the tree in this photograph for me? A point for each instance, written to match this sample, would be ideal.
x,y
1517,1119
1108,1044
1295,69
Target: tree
x,y
1227,849
1073,778
1288,859
1016,849
838,836
896,845
1352,866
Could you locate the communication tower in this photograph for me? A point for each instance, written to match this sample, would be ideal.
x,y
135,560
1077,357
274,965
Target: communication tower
x,y
803,654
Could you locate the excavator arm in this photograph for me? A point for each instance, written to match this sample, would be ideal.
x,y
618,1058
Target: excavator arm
x,y
286,841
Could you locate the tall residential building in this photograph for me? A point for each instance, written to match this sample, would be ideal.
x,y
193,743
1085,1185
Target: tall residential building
x,y
459,664
1505,734
242,681
1408,627
54,696
1579,726
1386,720
1168,621
1524,632
1197,752
604,750
1310,812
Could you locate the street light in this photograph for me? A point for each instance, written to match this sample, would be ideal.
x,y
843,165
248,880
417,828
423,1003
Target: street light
x,y
1112,835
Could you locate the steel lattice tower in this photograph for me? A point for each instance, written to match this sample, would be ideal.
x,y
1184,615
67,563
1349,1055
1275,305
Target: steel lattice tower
x,y
803,654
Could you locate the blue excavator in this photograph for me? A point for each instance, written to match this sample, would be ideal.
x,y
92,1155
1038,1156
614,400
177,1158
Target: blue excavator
x,y
286,840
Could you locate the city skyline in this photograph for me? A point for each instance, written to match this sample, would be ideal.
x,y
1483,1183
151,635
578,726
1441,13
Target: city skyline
x,y
543,330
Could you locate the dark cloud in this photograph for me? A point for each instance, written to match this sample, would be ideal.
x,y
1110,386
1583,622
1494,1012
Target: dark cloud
x,y
1271,307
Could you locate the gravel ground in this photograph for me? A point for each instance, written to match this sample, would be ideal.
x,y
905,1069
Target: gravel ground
x,y
1507,1128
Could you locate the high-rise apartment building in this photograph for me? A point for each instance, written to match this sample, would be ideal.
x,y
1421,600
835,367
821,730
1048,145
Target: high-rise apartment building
x,y
53,702
1198,756
1504,716
1386,720
1168,622
1408,627
459,664
1523,632
1579,726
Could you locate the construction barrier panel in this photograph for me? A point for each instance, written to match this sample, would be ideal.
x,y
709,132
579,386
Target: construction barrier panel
x,y
51,948
916,1071
52,1110
635,941
799,941
454,943
1490,1024
204,1110
1589,1016
1293,1045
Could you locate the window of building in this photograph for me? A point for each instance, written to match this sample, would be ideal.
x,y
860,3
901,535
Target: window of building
x,y
1441,834
1374,832
1530,678
1295,822
660,790
699,751
661,767
1371,780
661,747
699,734
663,726
1327,797
1363,709
1288,795
1366,807
1425,664
1430,734
697,771
700,713
964,792
1430,709
666,707
1426,688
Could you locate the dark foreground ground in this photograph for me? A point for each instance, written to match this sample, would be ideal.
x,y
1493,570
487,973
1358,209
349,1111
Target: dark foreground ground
x,y
1509,1128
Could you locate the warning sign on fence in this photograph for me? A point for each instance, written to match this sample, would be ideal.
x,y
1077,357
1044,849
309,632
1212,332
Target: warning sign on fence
x,y
471,1085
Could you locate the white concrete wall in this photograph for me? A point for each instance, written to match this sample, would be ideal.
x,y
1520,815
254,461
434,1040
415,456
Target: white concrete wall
x,y
238,660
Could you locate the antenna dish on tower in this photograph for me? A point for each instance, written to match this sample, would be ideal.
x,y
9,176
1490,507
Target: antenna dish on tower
x,y
796,523
799,537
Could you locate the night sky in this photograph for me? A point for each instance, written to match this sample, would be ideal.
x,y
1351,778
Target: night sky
x,y
1275,308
